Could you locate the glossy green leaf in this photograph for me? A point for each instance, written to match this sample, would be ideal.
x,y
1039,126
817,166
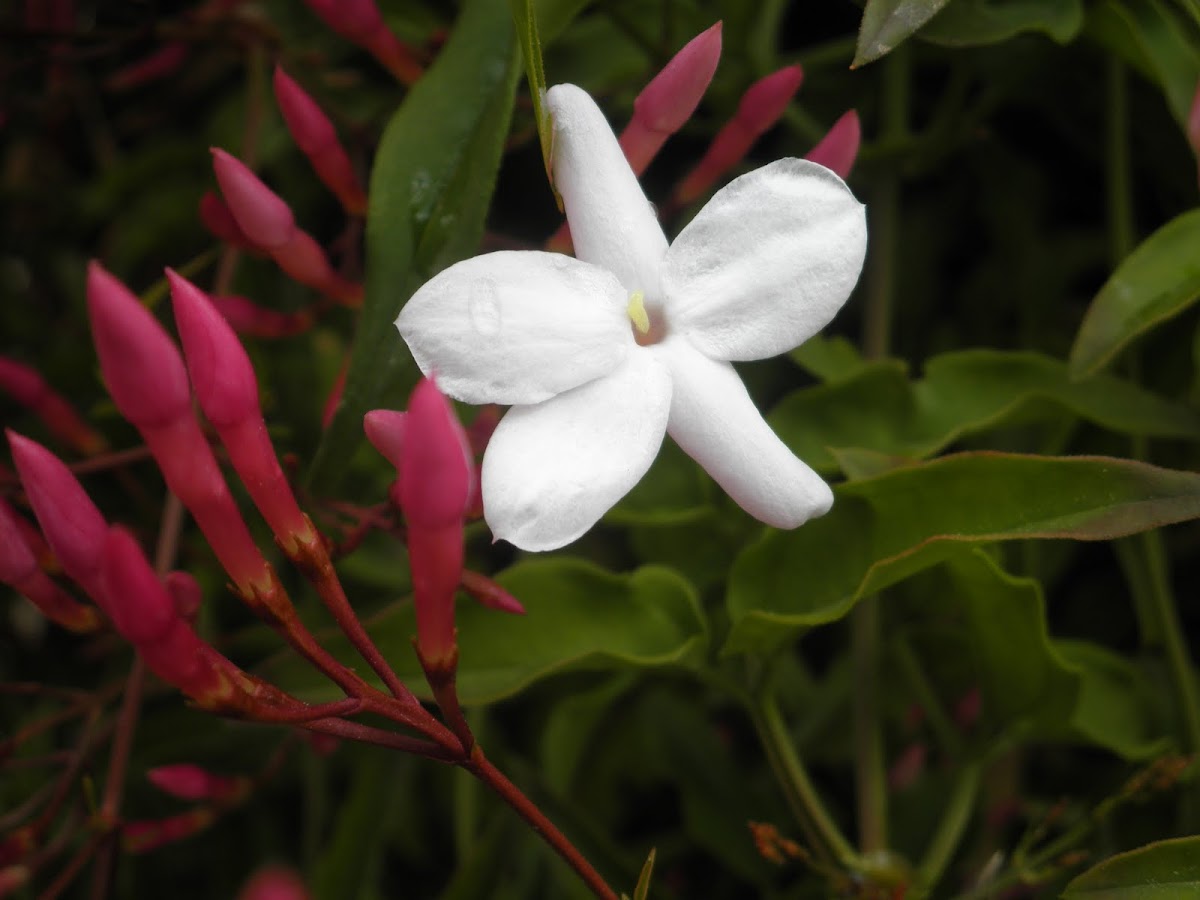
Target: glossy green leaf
x,y
971,23
883,529
1155,40
1158,280
430,192
992,632
1164,870
578,617
828,358
1115,703
888,23
963,393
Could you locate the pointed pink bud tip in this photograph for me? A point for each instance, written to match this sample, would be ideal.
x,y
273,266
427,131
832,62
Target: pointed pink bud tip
x,y
385,430
274,883
219,220
673,95
135,599
353,19
74,528
765,100
21,382
308,125
187,781
437,472
259,212
248,318
140,362
839,148
216,361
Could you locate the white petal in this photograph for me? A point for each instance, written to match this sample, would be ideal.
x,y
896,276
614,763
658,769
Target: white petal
x,y
613,225
717,424
767,262
552,470
517,326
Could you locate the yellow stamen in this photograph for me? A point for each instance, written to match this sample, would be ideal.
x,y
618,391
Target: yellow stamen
x,y
637,312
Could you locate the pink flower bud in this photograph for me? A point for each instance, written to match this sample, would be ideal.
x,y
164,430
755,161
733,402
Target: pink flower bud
x,y
670,98
218,219
839,148
19,569
315,135
360,21
274,883
29,389
436,469
158,65
260,213
248,318
385,430
144,835
304,260
228,393
140,362
187,781
220,370
74,528
761,106
134,599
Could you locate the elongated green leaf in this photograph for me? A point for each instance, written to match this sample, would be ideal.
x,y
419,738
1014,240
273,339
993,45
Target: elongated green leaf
x,y
1154,39
430,191
971,23
1157,281
989,629
1164,870
962,393
883,529
578,617
888,23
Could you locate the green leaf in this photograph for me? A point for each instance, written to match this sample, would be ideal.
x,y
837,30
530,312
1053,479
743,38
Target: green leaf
x,y
1115,703
525,20
888,23
828,358
964,392
971,23
1157,281
430,191
1152,38
1164,870
884,529
578,616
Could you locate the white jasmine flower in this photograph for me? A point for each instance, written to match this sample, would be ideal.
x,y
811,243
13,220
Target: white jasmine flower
x,y
601,355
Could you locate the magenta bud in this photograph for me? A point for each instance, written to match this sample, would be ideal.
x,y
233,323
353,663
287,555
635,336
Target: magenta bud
x,y
839,148
309,126
73,526
385,430
17,561
141,364
437,471
219,220
760,108
260,213
185,591
29,389
360,21
21,382
187,781
134,598
670,98
274,883
220,370
248,318
158,65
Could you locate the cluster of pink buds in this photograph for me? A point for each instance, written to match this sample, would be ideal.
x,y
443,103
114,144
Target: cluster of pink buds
x,y
670,99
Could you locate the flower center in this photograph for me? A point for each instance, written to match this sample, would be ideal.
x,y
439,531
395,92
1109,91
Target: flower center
x,y
649,326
